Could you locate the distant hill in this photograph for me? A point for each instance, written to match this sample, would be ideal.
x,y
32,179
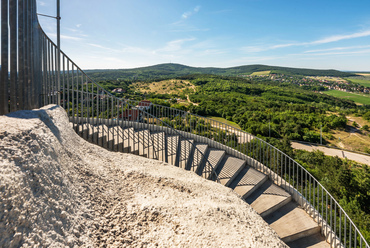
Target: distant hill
x,y
165,71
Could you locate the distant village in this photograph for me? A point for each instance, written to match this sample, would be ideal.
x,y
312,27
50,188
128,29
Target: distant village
x,y
323,82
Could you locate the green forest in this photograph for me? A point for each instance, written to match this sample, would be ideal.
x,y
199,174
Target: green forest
x,y
168,71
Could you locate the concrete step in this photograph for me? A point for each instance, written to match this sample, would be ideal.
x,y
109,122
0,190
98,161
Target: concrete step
x,y
214,157
158,145
247,181
229,168
146,143
292,223
186,151
198,157
313,241
268,198
121,148
172,147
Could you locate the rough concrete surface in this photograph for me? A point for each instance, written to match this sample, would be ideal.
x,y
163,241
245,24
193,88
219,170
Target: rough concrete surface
x,y
57,190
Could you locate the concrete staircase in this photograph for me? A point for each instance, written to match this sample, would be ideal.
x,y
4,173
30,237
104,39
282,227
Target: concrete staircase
x,y
276,206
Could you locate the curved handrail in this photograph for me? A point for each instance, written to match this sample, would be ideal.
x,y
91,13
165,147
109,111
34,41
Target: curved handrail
x,y
304,201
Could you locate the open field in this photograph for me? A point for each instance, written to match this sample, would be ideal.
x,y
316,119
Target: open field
x,y
357,98
259,73
164,87
352,138
223,120
331,79
362,82
364,74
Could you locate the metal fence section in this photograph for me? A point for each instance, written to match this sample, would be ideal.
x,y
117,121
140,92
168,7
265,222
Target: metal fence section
x,y
336,225
31,65
21,56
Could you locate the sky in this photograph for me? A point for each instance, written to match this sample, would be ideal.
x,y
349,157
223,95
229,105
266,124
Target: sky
x,y
115,34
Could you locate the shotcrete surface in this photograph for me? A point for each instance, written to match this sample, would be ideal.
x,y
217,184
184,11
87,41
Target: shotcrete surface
x,y
57,190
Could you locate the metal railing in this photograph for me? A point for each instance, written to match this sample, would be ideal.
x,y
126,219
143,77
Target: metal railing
x,y
336,225
21,69
29,74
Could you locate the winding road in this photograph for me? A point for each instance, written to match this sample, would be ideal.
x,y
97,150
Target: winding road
x,y
361,158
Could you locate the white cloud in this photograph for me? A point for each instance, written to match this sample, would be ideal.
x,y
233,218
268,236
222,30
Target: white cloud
x,y
336,49
187,14
330,39
78,25
341,37
365,51
174,45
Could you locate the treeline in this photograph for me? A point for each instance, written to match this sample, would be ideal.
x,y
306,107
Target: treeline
x,y
267,109
170,70
348,182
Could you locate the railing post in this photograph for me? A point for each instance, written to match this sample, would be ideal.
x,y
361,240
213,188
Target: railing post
x,y
13,54
4,84
58,52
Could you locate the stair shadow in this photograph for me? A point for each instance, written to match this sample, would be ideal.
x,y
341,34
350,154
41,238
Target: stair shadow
x,y
268,188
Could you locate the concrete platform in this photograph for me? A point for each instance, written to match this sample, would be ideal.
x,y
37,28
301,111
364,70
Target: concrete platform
x,y
172,144
186,151
229,169
291,223
247,181
268,198
214,157
198,156
312,241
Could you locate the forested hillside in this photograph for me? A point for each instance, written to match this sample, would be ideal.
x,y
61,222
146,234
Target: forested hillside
x,y
169,71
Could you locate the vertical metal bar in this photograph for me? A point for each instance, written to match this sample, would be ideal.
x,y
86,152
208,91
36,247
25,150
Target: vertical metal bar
x,y
335,224
302,184
331,222
27,46
318,203
285,172
50,82
4,84
32,54
20,88
340,225
322,208
58,50
350,235
64,82
13,55
326,215
69,90
345,230
73,96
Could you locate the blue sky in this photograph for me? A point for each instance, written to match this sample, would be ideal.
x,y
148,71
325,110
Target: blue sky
x,y
325,34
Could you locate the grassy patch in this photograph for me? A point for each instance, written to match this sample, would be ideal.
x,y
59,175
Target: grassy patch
x,y
223,120
362,82
259,73
357,98
351,138
164,87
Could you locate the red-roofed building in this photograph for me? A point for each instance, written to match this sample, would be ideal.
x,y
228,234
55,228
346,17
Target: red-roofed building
x,y
145,105
131,115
